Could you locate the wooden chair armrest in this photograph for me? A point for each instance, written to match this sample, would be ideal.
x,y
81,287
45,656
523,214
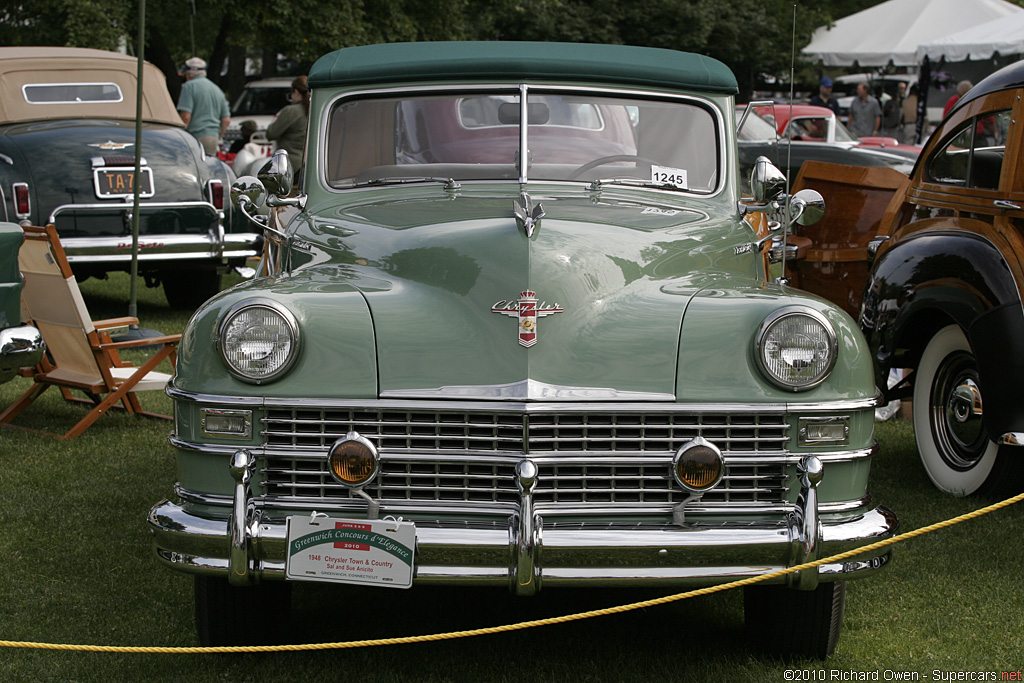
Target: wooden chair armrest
x,y
115,322
166,340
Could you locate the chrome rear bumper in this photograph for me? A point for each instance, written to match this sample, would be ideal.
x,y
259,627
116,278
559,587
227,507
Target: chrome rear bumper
x,y
248,545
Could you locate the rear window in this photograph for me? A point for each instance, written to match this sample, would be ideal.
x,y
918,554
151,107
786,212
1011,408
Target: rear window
x,y
70,93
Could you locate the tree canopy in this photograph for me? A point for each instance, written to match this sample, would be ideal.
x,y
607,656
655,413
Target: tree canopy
x,y
753,37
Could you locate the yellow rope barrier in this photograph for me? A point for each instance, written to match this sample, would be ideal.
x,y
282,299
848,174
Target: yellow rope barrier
x,y
523,624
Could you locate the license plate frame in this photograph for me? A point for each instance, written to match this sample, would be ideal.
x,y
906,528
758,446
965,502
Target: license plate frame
x,y
368,552
116,182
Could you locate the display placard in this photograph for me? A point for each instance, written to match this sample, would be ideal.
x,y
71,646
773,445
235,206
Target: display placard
x,y
363,551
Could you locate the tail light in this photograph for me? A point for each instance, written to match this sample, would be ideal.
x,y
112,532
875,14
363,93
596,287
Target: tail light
x,y
216,192
22,205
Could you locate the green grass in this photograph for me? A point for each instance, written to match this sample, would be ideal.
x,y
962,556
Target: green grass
x,y
76,566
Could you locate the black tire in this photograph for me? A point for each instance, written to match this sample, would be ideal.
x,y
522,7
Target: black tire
x,y
790,622
954,447
189,289
233,615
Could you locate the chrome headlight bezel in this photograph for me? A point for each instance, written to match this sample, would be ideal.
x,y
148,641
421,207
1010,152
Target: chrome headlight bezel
x,y
763,347
288,324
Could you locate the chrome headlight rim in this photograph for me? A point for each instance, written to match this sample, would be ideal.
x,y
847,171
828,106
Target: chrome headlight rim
x,y
291,323
769,323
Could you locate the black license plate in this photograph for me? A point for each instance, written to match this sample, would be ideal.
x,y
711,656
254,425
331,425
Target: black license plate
x,y
120,182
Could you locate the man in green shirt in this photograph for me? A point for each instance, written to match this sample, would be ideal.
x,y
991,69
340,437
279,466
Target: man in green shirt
x,y
203,106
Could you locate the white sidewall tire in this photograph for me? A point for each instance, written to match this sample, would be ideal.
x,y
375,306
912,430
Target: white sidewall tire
x,y
956,482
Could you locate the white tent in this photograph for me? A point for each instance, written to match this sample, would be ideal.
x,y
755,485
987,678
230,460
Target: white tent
x,y
893,30
1004,35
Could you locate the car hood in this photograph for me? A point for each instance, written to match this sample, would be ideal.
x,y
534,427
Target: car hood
x,y
450,283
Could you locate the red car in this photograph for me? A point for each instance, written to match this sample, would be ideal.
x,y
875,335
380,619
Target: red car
x,y
808,123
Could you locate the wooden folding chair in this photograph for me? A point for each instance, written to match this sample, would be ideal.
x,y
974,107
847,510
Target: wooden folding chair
x,y
81,354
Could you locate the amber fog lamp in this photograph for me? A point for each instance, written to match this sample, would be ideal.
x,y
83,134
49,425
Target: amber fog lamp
x,y
354,461
698,465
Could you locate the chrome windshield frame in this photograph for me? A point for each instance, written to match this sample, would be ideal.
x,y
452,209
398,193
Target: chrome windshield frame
x,y
706,102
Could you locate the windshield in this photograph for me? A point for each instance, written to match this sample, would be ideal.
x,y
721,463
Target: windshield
x,y
262,101
756,128
570,137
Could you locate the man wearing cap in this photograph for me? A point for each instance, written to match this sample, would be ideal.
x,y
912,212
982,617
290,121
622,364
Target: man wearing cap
x,y
203,106
824,97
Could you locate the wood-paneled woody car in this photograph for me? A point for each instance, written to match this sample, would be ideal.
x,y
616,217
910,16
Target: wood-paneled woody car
x,y
515,330
67,157
934,266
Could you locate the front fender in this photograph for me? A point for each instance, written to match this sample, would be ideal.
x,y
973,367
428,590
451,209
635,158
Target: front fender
x,y
717,360
932,279
336,351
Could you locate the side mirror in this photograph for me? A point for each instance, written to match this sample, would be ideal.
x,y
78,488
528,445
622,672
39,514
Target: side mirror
x,y
248,192
807,206
767,183
276,175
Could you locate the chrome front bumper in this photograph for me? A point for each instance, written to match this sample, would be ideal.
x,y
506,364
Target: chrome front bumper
x,y
19,347
248,544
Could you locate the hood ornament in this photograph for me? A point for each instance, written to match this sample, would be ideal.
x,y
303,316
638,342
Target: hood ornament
x,y
111,145
527,215
527,310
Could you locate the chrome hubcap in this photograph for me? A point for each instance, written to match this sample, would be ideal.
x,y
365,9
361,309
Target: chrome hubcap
x,y
956,412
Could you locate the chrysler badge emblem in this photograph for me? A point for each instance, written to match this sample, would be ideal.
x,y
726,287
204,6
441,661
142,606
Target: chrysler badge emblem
x,y
527,310
111,145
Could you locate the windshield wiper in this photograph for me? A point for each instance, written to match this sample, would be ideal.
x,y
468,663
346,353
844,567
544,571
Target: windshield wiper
x,y
595,185
449,183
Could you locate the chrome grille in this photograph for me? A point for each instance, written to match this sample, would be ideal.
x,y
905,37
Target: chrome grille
x,y
515,432
468,458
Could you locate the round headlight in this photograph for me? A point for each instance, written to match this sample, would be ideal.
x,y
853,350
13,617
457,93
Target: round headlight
x,y
353,460
796,348
698,465
259,340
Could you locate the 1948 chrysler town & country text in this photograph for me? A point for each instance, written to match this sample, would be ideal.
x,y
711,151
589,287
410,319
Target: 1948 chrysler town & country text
x,y
515,329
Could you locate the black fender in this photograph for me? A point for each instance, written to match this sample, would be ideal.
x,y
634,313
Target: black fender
x,y
932,279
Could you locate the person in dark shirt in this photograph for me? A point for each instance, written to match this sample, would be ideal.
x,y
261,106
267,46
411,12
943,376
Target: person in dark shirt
x,y
824,97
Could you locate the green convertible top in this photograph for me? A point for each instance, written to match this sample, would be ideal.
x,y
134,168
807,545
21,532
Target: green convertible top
x,y
521,61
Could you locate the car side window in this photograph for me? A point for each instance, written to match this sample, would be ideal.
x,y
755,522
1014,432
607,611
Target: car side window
x,y
973,157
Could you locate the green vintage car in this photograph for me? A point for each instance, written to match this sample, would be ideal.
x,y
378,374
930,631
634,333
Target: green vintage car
x,y
20,345
515,329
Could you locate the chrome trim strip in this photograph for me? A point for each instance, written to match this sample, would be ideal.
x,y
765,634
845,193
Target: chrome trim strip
x,y
530,407
130,206
499,510
526,390
512,457
158,248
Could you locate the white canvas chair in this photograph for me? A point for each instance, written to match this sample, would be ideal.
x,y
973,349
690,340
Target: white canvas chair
x,y
81,354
